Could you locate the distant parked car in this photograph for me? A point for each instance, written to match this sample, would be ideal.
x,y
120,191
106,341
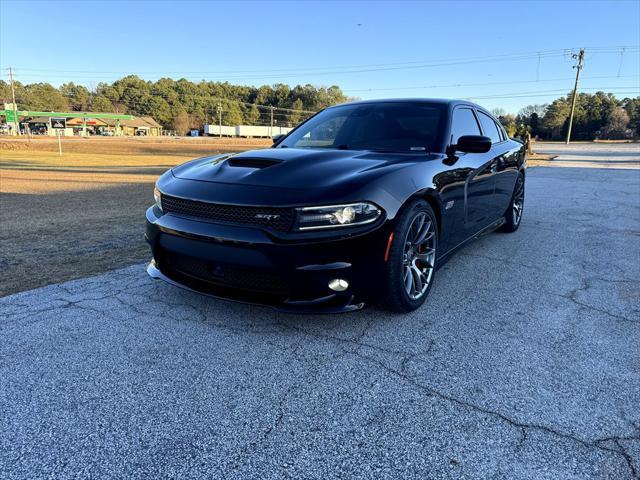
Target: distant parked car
x,y
360,203
141,133
106,133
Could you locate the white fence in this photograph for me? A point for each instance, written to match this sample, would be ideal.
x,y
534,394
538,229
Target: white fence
x,y
245,131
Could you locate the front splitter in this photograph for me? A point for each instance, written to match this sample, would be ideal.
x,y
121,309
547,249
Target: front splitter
x,y
310,307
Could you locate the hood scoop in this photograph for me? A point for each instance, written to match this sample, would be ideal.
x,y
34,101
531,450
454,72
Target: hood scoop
x,y
252,162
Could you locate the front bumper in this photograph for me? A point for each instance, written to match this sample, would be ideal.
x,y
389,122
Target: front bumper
x,y
250,265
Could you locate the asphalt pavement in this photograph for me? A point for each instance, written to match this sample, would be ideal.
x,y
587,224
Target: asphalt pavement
x,y
592,155
523,364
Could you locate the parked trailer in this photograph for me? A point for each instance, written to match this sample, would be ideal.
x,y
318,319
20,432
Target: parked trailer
x,y
256,131
245,131
281,130
216,130
253,131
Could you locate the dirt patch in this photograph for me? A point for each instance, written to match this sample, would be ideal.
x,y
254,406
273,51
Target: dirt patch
x,y
80,214
539,159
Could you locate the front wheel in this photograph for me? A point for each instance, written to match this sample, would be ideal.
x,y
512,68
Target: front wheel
x,y
410,263
513,215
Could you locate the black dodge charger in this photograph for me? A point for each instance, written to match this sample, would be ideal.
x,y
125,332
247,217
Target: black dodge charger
x,y
359,204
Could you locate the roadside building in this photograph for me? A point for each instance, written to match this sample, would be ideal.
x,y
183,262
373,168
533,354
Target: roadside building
x,y
77,123
38,125
155,129
42,126
92,126
137,126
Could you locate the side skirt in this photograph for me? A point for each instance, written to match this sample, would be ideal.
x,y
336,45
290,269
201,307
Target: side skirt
x,y
445,257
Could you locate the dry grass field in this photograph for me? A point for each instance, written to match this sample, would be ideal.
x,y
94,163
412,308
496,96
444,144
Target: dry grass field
x,y
83,213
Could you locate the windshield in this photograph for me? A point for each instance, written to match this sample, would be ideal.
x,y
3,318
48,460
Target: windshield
x,y
393,127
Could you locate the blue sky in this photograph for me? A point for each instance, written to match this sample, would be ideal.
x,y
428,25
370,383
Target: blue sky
x,y
397,49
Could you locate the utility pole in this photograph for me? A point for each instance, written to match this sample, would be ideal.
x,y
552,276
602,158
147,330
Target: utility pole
x,y
16,127
219,120
578,67
271,130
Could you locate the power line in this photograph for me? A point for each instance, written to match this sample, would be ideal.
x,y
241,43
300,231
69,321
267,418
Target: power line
x,y
562,51
355,68
290,70
549,95
481,84
235,76
541,95
626,88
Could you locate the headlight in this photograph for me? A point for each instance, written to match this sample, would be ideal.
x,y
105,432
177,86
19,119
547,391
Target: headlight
x,y
157,197
334,216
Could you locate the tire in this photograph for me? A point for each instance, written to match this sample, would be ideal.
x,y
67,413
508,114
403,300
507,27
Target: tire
x,y
410,255
513,215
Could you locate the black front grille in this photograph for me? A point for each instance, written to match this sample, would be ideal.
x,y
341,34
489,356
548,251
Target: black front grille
x,y
225,275
277,218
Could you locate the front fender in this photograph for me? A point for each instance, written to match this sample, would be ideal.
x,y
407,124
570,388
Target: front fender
x,y
413,181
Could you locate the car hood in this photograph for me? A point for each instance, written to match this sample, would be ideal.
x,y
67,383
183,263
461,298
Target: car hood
x,y
293,168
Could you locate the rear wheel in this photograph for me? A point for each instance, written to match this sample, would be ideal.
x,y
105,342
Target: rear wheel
x,y
410,265
513,215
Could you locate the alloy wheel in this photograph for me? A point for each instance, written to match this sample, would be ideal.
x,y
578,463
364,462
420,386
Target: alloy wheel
x,y
518,202
419,256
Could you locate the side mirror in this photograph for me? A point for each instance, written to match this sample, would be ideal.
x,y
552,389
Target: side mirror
x,y
472,144
277,138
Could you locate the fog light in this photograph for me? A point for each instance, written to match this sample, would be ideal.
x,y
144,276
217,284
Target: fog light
x,y
338,285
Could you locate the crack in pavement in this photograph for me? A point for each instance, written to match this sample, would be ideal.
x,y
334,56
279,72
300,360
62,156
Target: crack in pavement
x,y
623,451
523,427
251,447
586,285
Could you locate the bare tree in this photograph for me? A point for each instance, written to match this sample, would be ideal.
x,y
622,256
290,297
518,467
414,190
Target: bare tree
x,y
617,124
538,109
181,123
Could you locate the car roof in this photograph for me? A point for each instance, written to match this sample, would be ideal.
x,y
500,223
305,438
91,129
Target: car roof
x,y
440,101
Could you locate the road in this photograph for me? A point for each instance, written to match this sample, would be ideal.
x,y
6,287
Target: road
x,y
523,364
592,155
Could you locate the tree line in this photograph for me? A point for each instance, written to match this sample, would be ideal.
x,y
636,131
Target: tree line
x,y
180,104
597,116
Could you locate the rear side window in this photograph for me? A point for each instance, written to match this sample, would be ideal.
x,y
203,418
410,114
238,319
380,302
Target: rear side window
x,y
502,132
489,127
464,123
